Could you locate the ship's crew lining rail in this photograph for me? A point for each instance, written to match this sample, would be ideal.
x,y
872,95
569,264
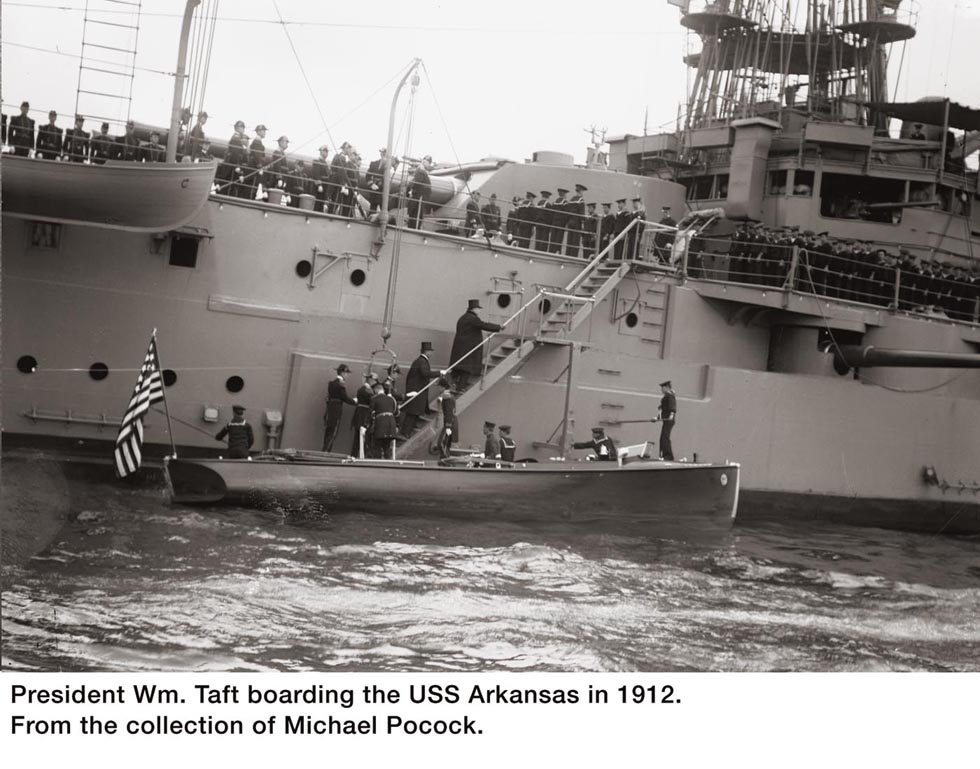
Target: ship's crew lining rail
x,y
854,273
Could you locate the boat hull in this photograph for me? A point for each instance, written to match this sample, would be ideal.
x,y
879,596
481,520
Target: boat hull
x,y
657,494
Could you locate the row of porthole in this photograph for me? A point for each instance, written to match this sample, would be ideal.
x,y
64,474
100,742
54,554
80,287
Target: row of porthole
x,y
27,364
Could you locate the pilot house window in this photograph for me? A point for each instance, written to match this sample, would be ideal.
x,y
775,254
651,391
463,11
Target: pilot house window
x,y
846,196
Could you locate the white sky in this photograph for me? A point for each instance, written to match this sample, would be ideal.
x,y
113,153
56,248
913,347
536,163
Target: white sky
x,y
510,77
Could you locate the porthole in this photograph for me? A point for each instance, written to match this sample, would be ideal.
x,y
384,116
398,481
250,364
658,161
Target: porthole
x,y
169,377
503,301
98,371
632,319
26,364
234,384
304,268
545,306
357,277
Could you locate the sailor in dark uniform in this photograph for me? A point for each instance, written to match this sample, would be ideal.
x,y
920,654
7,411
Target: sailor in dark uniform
x,y
622,220
518,222
449,433
299,183
279,166
590,230
375,178
384,426
636,234
49,138
127,146
507,444
362,415
603,447
419,377
153,152
100,148
666,414
320,175
474,220
197,137
491,443
542,222
234,168
20,134
490,213
664,239
559,221
256,161
336,398
76,145
916,134
240,435
608,226
575,220
419,193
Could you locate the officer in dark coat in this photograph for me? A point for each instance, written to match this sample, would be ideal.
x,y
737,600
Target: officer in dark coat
x,y
507,444
336,398
197,137
519,222
622,221
419,377
590,230
490,214
239,432
127,146
664,239
298,183
575,220
449,433
49,138
20,134
101,146
234,168
384,426
666,414
542,222
491,444
559,219
419,193
608,226
603,446
636,234
256,162
375,178
362,415
474,220
320,176
469,335
76,145
153,151
278,171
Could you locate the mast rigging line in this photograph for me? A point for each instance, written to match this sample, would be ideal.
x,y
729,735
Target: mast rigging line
x,y
306,79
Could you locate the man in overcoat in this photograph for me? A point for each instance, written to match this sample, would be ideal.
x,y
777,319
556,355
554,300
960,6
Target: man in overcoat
x,y
469,335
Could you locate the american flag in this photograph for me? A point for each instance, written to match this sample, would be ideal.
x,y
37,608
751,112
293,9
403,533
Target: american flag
x,y
148,390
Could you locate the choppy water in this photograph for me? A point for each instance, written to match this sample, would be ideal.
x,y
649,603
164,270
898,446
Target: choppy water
x,y
135,584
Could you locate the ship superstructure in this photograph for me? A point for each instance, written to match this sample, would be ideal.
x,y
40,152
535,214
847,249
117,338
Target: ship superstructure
x,y
787,126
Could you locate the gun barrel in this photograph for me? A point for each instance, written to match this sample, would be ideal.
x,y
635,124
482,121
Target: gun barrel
x,y
854,356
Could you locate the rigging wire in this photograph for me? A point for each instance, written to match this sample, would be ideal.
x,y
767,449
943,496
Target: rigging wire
x,y
306,79
207,65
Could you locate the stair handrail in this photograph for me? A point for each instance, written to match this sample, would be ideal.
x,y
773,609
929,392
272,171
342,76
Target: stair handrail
x,y
577,280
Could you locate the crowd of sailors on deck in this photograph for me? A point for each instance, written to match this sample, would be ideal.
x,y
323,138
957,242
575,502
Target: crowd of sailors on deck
x,y
840,268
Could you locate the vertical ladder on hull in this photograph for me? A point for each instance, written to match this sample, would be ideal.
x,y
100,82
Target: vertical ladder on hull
x,y
571,308
107,66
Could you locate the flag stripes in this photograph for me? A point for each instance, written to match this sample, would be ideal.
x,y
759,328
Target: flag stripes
x,y
149,390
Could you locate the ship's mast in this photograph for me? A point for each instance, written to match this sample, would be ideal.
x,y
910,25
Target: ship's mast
x,y
759,57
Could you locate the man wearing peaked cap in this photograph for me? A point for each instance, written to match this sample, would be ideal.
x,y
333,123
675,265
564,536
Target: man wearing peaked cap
x,y
77,141
279,167
467,353
49,138
604,448
622,220
666,414
558,210
234,165
576,221
590,226
20,133
256,162
336,398
491,445
362,416
419,376
239,432
542,222
197,137
636,233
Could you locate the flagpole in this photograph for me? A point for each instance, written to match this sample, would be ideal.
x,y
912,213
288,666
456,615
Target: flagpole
x,y
163,388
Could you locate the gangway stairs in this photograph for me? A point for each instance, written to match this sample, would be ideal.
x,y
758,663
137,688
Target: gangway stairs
x,y
570,309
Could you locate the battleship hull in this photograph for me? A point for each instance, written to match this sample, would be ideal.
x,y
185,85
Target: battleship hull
x,y
276,298
662,497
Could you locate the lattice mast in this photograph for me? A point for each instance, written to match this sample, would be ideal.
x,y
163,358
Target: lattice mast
x,y
762,56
